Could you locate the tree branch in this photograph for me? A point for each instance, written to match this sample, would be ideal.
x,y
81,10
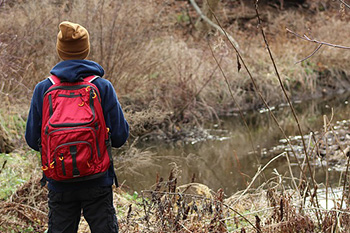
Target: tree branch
x,y
316,41
345,4
320,44
211,23
317,48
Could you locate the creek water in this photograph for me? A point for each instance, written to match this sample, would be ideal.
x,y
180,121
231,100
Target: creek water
x,y
222,156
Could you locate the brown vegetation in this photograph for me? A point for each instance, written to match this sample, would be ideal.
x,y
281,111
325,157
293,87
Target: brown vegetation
x,y
163,73
167,207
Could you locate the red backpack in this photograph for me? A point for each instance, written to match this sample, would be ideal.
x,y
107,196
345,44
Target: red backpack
x,y
75,143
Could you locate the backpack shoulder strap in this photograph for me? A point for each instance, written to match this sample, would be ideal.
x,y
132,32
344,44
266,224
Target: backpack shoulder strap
x,y
54,79
91,78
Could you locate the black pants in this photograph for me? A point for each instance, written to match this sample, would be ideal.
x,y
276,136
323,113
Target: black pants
x,y
96,204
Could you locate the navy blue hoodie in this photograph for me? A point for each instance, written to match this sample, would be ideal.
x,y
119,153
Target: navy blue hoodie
x,y
71,71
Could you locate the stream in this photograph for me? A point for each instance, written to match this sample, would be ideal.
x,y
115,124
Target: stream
x,y
222,157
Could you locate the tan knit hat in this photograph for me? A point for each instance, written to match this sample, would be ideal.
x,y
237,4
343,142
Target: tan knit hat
x,y
72,41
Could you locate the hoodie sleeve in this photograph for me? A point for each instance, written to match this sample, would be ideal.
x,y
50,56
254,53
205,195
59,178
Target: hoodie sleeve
x,y
113,113
33,127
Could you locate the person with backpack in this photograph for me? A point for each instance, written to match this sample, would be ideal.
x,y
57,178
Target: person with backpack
x,y
74,120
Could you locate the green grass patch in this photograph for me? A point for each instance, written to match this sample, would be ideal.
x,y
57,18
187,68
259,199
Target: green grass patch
x,y
16,169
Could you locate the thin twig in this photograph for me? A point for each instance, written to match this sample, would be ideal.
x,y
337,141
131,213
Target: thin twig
x,y
257,174
101,29
196,94
234,100
239,56
3,166
290,105
292,176
305,37
317,48
184,227
327,160
345,4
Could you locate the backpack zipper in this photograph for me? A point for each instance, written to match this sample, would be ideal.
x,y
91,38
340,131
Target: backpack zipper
x,y
70,96
62,164
74,87
93,130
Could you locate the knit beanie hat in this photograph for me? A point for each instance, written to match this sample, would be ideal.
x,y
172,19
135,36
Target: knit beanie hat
x,y
72,41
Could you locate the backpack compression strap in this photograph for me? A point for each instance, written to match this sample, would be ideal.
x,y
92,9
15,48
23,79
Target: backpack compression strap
x,y
55,80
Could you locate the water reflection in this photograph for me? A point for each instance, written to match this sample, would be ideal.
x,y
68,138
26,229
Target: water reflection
x,y
226,159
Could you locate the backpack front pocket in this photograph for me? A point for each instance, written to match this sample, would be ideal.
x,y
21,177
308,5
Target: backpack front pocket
x,y
73,159
69,158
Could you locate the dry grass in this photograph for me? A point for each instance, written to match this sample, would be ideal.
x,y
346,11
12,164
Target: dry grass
x,y
170,207
156,66
25,209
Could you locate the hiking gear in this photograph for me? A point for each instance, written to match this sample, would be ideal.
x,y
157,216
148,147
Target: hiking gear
x,y
72,41
96,203
70,71
75,143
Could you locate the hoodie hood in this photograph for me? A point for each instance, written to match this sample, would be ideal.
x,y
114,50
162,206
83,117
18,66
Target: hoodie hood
x,y
74,70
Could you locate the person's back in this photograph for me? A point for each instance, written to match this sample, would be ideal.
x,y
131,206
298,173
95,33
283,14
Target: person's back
x,y
93,197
